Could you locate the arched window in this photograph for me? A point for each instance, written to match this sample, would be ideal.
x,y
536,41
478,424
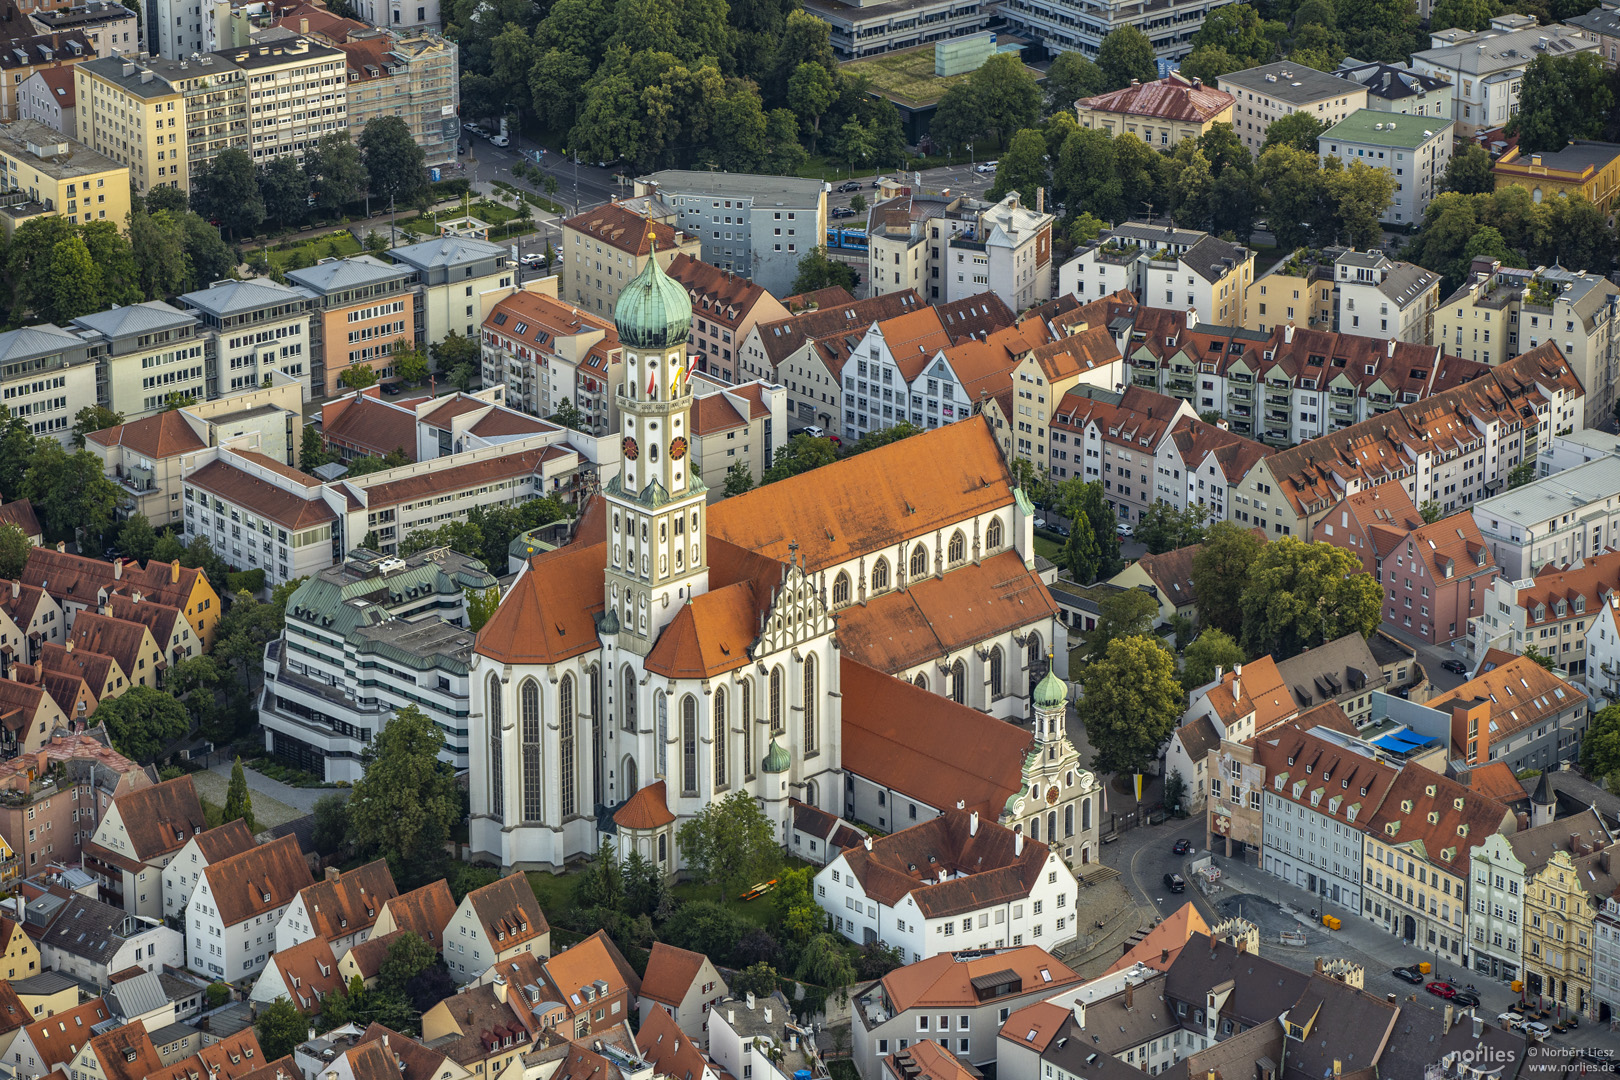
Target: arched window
x,y
921,680
565,743
957,551
776,700
722,738
594,674
919,562
811,792
629,768
995,671
534,804
492,708
810,704
880,575
746,693
627,698
1035,827
992,535
689,737
1051,826
841,589
661,731
1036,658
1068,820
959,683
1085,815
663,846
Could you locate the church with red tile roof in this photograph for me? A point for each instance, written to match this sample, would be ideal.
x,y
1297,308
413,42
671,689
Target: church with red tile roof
x,y
678,652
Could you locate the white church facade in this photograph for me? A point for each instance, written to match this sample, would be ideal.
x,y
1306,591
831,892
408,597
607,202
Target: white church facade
x,y
674,652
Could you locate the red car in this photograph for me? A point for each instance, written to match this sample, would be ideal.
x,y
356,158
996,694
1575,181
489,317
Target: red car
x,y
1440,989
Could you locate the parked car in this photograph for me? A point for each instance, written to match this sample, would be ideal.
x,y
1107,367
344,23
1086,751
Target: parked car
x,y
878,182
986,166
1465,998
1175,883
1125,529
500,140
1442,990
1408,974
815,432
1182,847
390,388
1455,665
849,185
841,212
1509,1021
533,259
1536,1028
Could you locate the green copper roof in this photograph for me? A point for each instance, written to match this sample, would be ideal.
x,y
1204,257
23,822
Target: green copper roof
x,y
653,311
1051,693
777,760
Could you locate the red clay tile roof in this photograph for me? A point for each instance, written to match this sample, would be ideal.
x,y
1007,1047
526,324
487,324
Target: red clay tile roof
x,y
988,869
64,748
426,911
362,421
1262,692
410,1060
241,488
309,973
935,617
163,435
367,59
156,617
456,478
1592,580
235,1057
159,820
927,1060
223,841
351,903
508,907
99,671
61,82
1334,776
816,822
978,315
126,642
258,880
670,973
622,228
21,601
944,981
1464,818
913,339
1496,780
714,413
21,514
784,336
670,1051
126,1053
595,958
502,422
1521,693
714,631
57,1038
283,1068
549,613
1038,1024
717,295
831,296
864,504
1174,98
1170,936
1172,573
964,755
13,1013
646,809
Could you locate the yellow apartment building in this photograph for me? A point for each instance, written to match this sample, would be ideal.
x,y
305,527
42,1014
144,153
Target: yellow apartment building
x,y
58,175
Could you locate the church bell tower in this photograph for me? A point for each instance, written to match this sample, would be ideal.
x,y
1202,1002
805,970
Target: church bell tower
x,y
657,537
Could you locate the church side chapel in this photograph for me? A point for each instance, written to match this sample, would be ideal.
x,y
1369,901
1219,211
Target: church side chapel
x,y
870,639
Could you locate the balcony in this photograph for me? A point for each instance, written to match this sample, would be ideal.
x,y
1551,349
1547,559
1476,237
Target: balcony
x,y
1241,395
1278,399
1277,438
1180,385
1343,408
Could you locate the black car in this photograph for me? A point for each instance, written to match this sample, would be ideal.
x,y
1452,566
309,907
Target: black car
x,y
841,212
1455,665
1408,974
390,388
1465,998
1182,847
850,185
1175,883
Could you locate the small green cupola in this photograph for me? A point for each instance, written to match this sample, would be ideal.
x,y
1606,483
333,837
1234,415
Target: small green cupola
x,y
1051,693
777,760
653,311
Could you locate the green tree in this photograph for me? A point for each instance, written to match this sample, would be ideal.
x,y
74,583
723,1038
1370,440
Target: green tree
x,y
481,605
1536,656
142,721
14,549
1126,54
1087,227
1131,704
280,1028
1467,15
164,268
406,804
1299,595
1008,95
1600,745
171,199
337,176
1237,29
1175,790
818,271
1563,98
857,203
1431,512
137,538
1022,168
219,993
705,926
855,143
331,832
358,377
1086,176
730,843
454,349
1210,650
1193,194
1297,129
1521,474
70,493
758,979
1219,572
226,190
94,418
1164,528
284,187
1469,170
810,91
1127,613
410,361
392,159
958,118
74,282
823,962
1209,62
115,260
739,478
238,799
568,415
408,956
208,257
1071,77
1082,551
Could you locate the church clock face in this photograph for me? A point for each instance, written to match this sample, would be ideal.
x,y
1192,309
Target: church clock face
x,y
630,449
677,448
1052,795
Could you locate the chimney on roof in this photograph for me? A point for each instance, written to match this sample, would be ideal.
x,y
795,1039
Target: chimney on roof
x,y
1237,682
973,824
1018,843
1445,1028
61,547
1192,317
1319,968
1130,995
868,842
1243,945
1080,1014
500,989
1288,333
303,25
1523,821
1164,956
1391,347
333,873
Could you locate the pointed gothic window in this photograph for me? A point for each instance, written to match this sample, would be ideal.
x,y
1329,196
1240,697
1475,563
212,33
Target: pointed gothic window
x,y
689,744
959,683
1035,656
534,803
776,701
880,575
565,744
957,552
841,589
992,535
746,690
921,680
661,723
627,698
492,708
810,704
995,672
919,562
721,738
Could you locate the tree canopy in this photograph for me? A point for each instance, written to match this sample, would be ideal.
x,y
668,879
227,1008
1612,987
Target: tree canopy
x,y
730,843
1298,595
405,805
1130,704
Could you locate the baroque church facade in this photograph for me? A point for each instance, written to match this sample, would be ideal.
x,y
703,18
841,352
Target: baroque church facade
x,y
675,653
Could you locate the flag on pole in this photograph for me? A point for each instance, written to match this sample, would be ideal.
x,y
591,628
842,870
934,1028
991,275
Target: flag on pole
x,y
652,380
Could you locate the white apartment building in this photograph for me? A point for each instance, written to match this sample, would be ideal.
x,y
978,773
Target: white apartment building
x,y
1181,269
1550,611
340,909
497,922
953,247
185,869
1555,521
46,377
1415,153
950,901
1066,26
1606,958
399,14
297,92
259,326
1270,92
401,628
231,920
1384,299
1486,68
1603,655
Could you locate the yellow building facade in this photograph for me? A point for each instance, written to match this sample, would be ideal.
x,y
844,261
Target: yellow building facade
x,y
1298,291
1560,912
1160,113
140,124
1583,167
59,176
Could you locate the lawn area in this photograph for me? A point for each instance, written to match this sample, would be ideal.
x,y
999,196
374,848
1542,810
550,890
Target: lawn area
x,y
211,787
307,252
530,197
908,75
1049,549
488,211
554,891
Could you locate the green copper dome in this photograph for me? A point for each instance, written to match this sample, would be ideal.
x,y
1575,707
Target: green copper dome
x,y
777,760
653,311
1051,693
